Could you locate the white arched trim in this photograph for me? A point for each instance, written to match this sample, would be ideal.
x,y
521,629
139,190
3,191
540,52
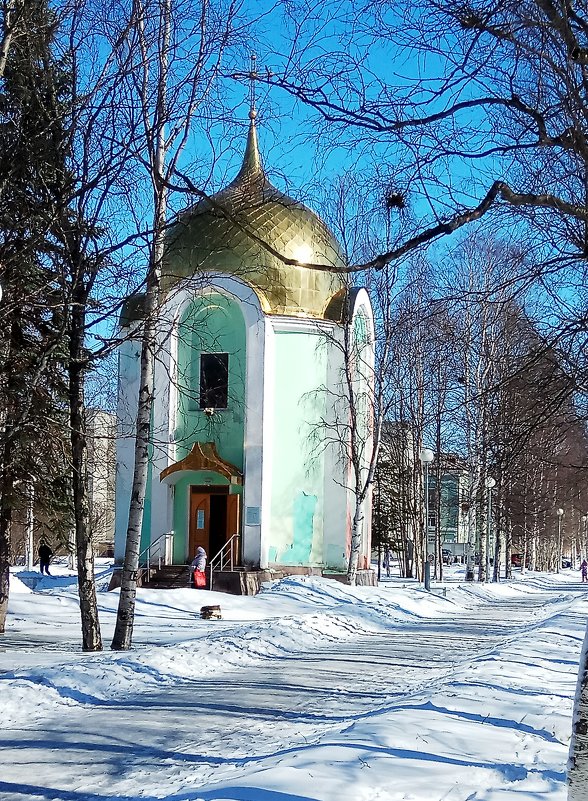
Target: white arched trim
x,y
172,311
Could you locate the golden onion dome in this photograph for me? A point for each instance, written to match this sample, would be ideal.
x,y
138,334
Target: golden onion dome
x,y
244,229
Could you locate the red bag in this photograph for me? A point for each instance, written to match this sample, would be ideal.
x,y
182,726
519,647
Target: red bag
x,y
199,578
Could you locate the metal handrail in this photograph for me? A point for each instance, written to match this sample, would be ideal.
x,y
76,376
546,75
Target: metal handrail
x,y
218,559
146,568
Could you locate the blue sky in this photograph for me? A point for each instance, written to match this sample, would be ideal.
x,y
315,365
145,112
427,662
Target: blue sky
x,y
301,155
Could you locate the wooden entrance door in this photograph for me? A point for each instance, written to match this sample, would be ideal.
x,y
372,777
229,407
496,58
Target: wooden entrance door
x,y
199,521
214,518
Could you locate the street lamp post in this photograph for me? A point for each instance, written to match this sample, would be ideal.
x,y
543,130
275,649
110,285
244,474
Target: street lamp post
x,y
583,542
30,525
559,512
426,456
490,483
471,545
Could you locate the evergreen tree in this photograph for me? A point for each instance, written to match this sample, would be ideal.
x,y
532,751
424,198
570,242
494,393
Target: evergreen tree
x,y
45,295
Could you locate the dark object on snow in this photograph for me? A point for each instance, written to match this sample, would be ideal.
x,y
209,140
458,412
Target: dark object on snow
x,y
211,612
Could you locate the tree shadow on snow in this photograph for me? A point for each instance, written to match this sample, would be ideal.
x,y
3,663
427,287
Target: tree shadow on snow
x,y
19,792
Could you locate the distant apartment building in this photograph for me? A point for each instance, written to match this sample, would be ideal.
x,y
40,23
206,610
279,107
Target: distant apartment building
x,y
397,506
101,434
452,506
394,507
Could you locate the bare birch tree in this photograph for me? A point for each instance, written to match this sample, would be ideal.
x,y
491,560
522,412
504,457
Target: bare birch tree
x,y
167,84
12,18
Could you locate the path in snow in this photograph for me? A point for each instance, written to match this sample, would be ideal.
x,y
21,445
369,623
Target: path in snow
x,y
277,723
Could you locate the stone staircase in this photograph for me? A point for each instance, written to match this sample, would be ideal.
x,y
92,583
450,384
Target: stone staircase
x,y
172,577
168,577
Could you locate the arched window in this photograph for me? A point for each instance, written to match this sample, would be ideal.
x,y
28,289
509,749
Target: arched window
x,y
214,381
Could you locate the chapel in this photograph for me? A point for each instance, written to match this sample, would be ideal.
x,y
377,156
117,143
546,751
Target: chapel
x,y
249,453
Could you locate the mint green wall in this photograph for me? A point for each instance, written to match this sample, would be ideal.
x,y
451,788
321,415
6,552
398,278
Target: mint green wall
x,y
297,462
212,324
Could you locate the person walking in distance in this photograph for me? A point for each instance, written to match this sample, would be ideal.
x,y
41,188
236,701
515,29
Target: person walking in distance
x,y
45,554
198,567
584,570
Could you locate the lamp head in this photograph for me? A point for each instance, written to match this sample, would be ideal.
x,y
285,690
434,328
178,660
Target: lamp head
x,y
426,455
490,482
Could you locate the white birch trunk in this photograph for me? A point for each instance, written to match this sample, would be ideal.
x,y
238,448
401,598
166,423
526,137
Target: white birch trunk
x,y
12,13
578,760
123,634
356,535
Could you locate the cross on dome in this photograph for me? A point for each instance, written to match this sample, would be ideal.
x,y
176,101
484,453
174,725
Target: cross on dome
x,y
253,76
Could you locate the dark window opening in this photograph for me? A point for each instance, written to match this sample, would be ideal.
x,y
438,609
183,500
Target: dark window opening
x,y
214,380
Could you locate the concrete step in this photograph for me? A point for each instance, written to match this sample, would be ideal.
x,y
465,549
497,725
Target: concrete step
x,y
168,577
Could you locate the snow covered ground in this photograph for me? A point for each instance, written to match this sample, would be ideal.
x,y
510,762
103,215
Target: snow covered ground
x,y
311,691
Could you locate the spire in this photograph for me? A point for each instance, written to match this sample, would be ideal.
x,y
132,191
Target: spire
x,y
251,166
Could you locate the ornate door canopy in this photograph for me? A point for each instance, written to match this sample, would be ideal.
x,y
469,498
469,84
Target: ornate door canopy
x,y
204,456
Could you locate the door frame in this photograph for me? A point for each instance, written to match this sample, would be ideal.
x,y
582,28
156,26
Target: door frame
x,y
199,496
